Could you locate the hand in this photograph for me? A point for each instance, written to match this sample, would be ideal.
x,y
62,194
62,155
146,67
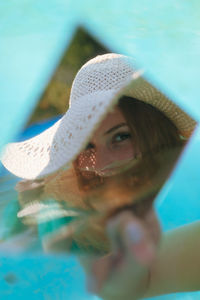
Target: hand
x,y
125,272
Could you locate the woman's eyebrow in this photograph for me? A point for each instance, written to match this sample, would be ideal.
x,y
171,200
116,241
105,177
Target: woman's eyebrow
x,y
115,128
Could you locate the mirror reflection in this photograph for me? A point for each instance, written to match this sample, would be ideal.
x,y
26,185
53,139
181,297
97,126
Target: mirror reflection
x,y
120,169
118,144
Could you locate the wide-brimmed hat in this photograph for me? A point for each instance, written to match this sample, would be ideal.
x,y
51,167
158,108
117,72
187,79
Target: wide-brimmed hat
x,y
96,88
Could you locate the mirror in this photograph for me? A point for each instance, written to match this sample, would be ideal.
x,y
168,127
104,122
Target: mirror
x,y
122,167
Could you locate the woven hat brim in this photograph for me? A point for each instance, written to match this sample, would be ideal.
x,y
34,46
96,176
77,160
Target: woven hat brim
x,y
142,90
58,146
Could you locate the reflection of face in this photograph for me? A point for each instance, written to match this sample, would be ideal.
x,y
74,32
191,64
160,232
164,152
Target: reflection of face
x,y
110,147
133,190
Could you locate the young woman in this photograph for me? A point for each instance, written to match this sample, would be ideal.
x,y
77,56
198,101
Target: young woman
x,y
111,162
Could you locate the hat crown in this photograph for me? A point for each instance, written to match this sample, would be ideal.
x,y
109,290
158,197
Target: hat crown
x,y
102,73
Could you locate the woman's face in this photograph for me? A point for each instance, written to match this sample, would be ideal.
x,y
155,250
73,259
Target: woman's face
x,y
110,148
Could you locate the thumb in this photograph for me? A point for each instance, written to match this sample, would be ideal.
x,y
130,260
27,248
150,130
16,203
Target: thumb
x,y
130,234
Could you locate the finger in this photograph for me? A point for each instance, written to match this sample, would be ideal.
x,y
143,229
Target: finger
x,y
129,234
152,222
132,251
101,270
139,244
99,273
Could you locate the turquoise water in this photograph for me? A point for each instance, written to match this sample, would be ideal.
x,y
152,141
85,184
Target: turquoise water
x,y
165,40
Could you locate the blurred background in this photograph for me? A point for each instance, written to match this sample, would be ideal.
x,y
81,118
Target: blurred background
x,y
42,46
54,100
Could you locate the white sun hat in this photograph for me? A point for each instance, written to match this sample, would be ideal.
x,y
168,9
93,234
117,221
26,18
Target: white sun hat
x,y
96,88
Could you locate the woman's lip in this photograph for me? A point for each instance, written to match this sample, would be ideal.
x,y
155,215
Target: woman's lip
x,y
114,170
109,172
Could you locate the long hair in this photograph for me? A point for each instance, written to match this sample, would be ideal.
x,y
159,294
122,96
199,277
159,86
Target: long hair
x,y
152,131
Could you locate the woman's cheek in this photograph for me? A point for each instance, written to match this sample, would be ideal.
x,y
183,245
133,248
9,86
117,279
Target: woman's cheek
x,y
123,151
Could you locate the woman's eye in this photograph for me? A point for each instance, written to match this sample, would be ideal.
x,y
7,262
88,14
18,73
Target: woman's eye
x,y
89,146
120,137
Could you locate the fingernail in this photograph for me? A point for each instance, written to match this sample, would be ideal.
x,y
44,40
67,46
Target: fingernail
x,y
133,233
143,250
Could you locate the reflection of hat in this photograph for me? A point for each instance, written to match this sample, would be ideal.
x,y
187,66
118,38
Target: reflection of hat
x,y
96,87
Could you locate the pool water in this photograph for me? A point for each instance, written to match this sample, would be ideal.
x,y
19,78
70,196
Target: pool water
x,y
130,27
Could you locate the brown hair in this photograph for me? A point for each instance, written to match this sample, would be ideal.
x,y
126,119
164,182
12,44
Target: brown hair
x,y
152,131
